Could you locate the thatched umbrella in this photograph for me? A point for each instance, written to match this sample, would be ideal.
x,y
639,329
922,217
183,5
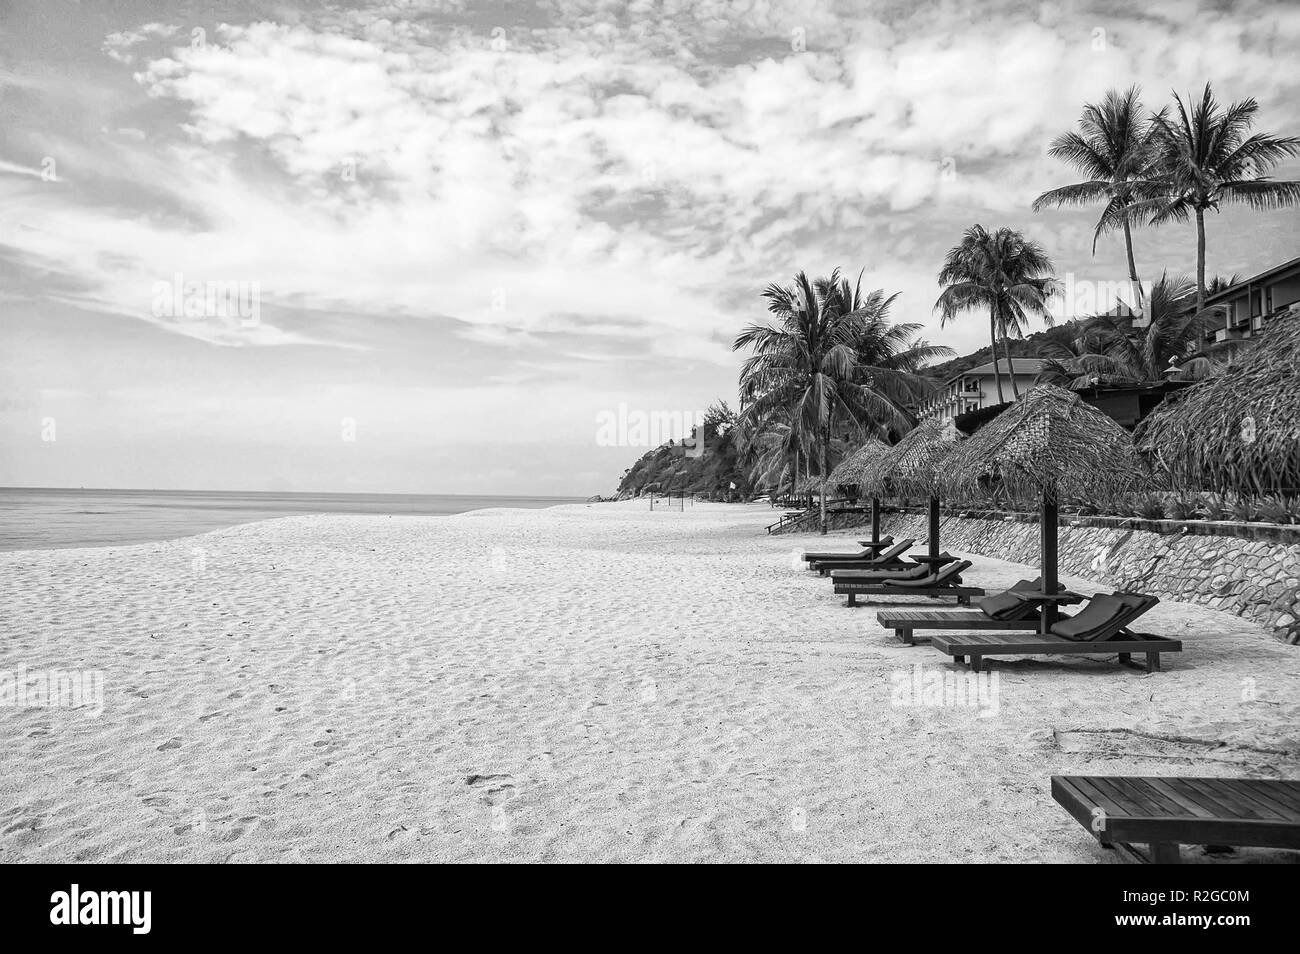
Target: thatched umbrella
x,y
1052,444
853,468
911,467
1236,432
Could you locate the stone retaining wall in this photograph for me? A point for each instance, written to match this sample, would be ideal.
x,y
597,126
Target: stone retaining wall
x,y
1257,579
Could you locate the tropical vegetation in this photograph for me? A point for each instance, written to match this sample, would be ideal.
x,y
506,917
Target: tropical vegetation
x,y
1001,272
828,363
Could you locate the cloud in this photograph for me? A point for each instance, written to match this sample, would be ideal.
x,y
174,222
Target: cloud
x,y
417,157
120,44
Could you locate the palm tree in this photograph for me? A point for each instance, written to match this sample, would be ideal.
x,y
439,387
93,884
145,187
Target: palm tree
x,y
1208,159
1003,272
1082,362
1113,150
829,359
1111,352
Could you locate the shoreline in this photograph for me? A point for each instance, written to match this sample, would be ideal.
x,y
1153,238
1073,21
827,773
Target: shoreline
x,y
566,684
43,518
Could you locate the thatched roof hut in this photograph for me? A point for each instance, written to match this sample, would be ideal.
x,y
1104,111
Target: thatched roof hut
x,y
1051,442
1238,432
850,470
912,465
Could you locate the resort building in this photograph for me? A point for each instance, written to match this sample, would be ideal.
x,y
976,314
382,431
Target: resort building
x,y
1248,305
977,388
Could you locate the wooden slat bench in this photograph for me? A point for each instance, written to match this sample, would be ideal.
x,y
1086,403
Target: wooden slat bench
x,y
1162,813
854,590
971,648
904,623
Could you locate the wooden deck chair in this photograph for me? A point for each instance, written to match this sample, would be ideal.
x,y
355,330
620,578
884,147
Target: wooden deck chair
x,y
893,557
945,582
867,552
1101,627
1163,813
1013,609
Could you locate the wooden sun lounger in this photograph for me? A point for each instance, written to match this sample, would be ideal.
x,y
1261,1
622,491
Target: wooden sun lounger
x,y
938,584
889,559
993,614
1163,813
904,623
869,550
971,648
1108,637
1027,618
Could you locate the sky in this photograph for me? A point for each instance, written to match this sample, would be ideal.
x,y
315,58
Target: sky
x,y
429,246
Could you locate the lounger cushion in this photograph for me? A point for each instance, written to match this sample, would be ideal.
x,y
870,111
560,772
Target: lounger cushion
x,y
867,576
1093,620
1006,605
950,575
930,579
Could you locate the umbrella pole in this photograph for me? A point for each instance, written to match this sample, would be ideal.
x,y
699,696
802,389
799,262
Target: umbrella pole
x,y
1047,555
875,519
934,526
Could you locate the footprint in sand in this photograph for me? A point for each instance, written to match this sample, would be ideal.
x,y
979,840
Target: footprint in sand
x,y
170,744
543,760
496,789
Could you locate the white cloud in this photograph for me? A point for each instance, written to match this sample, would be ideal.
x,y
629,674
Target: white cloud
x,y
612,159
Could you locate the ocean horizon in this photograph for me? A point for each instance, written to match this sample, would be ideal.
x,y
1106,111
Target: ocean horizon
x,y
46,518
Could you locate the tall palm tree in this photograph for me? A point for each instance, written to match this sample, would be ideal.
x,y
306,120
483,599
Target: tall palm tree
x,y
1003,272
1208,159
1113,149
809,369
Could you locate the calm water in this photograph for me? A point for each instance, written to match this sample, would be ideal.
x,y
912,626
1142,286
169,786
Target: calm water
x,y
34,519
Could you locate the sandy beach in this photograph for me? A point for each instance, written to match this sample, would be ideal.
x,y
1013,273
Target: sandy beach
x,y
581,683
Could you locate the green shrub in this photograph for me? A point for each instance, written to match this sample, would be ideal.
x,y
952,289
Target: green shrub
x,y
1243,510
1214,507
1184,507
1274,510
1150,507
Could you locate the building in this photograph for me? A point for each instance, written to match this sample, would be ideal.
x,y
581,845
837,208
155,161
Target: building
x,y
1128,404
977,388
1242,309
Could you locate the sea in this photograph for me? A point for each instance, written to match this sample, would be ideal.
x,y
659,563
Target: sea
x,y
43,519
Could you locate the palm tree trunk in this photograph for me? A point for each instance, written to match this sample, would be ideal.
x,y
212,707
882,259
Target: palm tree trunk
x,y
993,349
824,442
794,478
1011,368
1132,268
1200,259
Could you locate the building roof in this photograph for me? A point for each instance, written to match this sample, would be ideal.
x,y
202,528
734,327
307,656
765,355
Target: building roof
x,y
1240,286
1020,366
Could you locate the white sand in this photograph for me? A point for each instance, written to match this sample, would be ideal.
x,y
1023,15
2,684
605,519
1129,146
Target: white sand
x,y
583,683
